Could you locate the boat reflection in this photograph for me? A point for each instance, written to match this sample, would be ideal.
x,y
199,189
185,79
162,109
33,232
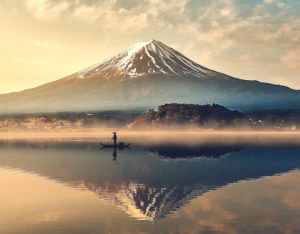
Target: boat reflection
x,y
115,149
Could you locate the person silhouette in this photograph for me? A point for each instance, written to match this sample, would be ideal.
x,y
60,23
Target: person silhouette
x,y
115,138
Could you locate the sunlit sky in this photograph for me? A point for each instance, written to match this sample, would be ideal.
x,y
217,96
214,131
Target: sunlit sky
x,y
44,40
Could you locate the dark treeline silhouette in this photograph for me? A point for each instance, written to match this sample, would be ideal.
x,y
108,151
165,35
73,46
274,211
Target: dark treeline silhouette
x,y
167,115
191,114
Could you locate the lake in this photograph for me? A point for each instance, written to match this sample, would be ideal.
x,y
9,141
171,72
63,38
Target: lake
x,y
189,185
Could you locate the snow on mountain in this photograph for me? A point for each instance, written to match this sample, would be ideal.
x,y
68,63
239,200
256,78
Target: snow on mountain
x,y
152,57
144,202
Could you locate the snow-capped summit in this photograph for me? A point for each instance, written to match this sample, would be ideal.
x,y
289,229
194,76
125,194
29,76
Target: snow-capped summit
x,y
152,57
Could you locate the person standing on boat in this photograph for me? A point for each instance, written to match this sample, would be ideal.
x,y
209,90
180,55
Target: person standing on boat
x,y
115,138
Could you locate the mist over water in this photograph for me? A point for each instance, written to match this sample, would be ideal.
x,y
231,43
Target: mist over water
x,y
190,136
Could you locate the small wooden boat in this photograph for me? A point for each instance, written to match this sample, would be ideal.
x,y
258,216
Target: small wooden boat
x,y
120,145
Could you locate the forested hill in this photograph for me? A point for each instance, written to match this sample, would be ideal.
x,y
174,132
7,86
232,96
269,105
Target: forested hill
x,y
175,114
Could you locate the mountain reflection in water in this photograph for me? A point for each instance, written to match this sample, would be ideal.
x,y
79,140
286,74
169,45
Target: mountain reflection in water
x,y
139,182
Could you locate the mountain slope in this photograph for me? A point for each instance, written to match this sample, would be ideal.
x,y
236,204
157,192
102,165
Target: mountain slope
x,y
144,58
146,75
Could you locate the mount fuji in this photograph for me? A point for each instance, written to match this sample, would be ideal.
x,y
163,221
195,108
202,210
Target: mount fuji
x,y
146,58
143,76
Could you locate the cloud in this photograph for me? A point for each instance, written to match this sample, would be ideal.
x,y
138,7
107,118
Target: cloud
x,y
220,22
111,17
46,9
150,13
216,32
268,1
109,14
45,45
234,208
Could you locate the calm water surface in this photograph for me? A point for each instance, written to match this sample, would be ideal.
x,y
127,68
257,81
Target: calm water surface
x,y
74,187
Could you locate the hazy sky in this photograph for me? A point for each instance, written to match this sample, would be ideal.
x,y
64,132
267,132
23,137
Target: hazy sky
x,y
44,40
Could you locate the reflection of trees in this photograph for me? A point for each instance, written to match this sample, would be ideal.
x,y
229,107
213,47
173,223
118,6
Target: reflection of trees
x,y
184,151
